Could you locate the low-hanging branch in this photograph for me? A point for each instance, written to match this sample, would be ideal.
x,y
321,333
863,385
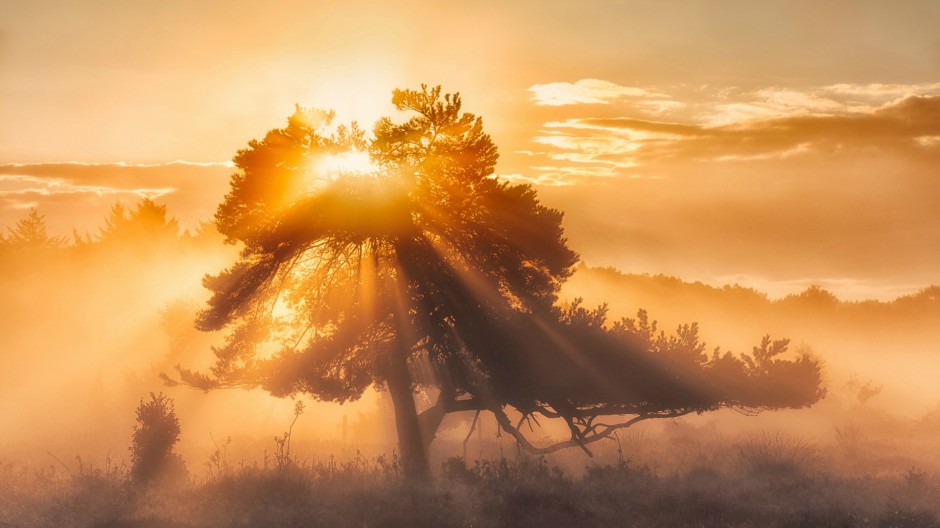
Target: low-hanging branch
x,y
577,439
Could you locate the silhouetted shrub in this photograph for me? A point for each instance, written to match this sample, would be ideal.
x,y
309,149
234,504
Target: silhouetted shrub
x,y
156,432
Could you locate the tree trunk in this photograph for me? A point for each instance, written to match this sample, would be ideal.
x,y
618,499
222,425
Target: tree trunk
x,y
414,455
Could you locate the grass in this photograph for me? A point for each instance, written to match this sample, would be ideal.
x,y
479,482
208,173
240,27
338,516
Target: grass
x,y
768,454
773,480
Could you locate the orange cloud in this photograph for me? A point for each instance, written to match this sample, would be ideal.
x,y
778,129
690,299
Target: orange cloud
x,y
586,91
820,184
12,185
907,126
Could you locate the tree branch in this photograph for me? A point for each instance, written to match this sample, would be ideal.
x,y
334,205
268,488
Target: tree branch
x,y
577,440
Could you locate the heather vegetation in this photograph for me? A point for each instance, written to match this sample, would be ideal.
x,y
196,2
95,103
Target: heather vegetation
x,y
689,476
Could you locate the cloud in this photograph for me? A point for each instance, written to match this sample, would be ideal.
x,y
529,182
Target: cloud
x,y
585,91
895,126
12,185
908,126
659,107
771,103
928,141
883,91
733,105
228,164
547,178
565,175
786,183
666,129
628,124
802,148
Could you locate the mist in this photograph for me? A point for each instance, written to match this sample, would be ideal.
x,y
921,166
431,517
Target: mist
x,y
510,264
88,326
91,324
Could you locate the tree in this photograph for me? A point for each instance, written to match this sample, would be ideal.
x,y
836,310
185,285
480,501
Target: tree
x,y
416,270
147,223
30,233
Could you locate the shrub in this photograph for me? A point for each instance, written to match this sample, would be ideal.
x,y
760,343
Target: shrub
x,y
156,432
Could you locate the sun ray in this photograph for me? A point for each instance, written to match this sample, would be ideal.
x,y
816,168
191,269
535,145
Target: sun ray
x,y
485,291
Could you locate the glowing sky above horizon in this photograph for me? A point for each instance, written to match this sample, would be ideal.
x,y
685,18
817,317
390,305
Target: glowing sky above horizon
x,y
774,144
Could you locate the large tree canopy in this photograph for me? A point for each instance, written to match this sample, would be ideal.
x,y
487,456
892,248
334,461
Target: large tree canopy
x,y
397,258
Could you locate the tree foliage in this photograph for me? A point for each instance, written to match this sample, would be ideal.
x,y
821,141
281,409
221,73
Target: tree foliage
x,y
420,255
581,361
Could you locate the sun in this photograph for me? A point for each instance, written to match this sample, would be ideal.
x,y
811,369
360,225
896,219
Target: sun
x,y
349,163
322,169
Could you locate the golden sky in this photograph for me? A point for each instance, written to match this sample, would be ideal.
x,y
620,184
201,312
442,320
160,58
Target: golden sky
x,y
770,143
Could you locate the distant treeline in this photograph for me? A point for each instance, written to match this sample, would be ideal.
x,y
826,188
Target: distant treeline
x,y
149,227
812,302
146,223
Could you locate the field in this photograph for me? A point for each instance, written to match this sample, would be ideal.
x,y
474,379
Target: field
x,y
469,264
866,455
682,475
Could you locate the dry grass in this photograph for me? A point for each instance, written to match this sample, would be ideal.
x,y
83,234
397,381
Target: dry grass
x,y
775,480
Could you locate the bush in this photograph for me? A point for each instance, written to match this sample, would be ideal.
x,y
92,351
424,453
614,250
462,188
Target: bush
x,y
156,432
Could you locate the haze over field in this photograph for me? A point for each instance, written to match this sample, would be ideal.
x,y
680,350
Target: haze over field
x,y
760,168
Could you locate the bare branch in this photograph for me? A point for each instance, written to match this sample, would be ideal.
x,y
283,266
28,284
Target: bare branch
x,y
578,439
